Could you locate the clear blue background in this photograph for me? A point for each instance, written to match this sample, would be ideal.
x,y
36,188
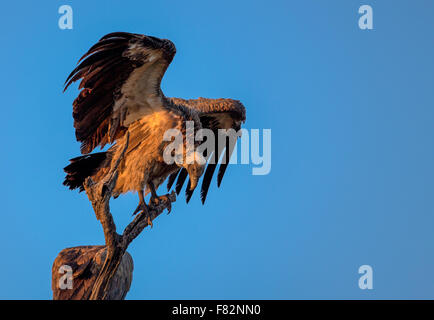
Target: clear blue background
x,y
352,176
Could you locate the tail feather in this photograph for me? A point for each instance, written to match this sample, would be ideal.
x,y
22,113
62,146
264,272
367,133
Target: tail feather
x,y
82,167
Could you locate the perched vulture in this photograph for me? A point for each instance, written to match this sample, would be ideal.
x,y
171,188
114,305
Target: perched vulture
x,y
120,92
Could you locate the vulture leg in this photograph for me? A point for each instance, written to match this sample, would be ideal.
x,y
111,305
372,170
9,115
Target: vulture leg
x,y
157,199
143,208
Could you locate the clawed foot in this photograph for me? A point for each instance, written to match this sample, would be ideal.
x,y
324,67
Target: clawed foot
x,y
159,199
144,209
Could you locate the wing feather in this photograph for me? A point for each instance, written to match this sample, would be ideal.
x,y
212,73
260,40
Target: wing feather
x,y
188,192
222,169
210,169
181,178
120,75
172,179
214,114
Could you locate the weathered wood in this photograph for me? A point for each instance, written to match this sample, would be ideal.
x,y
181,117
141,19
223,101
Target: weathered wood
x,y
86,263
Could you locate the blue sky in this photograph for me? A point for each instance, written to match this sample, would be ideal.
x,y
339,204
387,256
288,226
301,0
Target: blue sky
x,y
352,178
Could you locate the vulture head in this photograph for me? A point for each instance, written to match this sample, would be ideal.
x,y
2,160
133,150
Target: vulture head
x,y
195,166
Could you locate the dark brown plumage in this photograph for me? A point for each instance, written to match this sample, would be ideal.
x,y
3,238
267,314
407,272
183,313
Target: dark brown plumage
x,y
103,71
120,92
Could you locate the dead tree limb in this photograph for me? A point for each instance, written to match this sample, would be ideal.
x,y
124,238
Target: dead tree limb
x,y
84,264
116,245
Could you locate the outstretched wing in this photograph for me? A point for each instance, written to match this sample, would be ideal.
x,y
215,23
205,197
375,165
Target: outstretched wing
x,y
120,82
214,114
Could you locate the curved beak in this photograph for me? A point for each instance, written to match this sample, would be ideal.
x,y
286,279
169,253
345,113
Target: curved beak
x,y
193,183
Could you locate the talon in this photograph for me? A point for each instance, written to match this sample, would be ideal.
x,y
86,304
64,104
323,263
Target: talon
x,y
150,221
165,198
153,201
142,207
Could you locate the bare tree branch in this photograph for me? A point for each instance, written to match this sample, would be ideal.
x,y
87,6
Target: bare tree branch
x,y
116,245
